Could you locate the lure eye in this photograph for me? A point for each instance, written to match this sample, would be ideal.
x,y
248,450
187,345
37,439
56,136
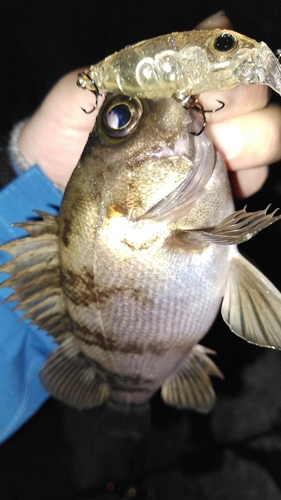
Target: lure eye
x,y
225,43
120,116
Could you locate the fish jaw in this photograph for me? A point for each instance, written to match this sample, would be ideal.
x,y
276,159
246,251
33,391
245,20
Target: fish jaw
x,y
260,68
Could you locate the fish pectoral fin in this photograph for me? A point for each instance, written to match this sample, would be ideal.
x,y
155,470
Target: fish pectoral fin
x,y
252,305
70,377
190,387
239,227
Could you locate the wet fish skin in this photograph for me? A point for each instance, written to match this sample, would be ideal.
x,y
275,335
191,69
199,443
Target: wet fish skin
x,y
119,318
130,276
185,64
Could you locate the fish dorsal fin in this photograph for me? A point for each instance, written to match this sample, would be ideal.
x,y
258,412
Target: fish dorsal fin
x,y
190,387
35,276
252,305
71,378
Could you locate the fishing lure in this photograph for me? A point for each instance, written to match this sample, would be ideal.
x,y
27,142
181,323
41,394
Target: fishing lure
x,y
185,64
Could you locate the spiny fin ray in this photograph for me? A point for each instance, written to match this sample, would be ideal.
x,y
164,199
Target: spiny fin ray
x,y
35,276
239,227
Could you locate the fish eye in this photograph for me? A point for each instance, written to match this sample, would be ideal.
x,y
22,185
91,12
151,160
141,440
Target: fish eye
x,y
120,116
224,43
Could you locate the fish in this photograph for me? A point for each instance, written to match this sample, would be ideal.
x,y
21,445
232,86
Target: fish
x,y
131,274
185,64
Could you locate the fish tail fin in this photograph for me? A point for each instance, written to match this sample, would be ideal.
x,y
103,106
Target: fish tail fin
x,y
190,387
70,377
252,305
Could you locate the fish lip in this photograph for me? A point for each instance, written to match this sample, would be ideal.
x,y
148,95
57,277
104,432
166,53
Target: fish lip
x,y
261,67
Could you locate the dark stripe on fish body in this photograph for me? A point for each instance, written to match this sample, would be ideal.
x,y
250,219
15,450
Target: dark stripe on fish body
x,y
66,232
82,289
120,380
127,382
126,388
140,247
96,338
79,288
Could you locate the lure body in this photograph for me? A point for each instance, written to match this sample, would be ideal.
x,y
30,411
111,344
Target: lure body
x,y
185,64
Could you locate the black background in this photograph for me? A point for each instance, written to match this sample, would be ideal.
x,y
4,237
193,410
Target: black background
x,y
61,454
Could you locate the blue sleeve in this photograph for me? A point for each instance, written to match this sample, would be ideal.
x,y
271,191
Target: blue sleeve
x,y
23,349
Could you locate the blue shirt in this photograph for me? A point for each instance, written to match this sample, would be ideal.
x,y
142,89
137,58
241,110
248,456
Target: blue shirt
x,y
23,349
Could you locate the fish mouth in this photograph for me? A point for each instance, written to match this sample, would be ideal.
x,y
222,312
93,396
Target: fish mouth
x,y
261,68
177,203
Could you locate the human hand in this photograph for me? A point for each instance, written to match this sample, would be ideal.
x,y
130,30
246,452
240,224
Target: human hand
x,y
57,132
247,131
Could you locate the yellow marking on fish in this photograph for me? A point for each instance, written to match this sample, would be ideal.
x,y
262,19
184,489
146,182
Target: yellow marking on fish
x,y
115,211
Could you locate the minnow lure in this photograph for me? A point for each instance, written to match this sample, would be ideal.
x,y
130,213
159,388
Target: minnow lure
x,y
185,64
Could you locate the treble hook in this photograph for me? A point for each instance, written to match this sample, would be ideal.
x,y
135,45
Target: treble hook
x,y
96,92
190,102
195,105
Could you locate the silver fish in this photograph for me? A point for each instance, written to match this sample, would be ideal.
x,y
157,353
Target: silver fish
x,y
131,275
185,64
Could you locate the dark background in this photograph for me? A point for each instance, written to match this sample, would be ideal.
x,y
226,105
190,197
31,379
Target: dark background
x,y
41,41
235,452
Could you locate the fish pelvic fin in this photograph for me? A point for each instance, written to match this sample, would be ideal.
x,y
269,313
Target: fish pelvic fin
x,y
239,227
190,387
35,276
252,305
70,377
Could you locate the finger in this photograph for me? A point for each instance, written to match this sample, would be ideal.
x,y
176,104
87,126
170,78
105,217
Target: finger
x,y
217,20
244,183
61,110
237,140
71,100
237,101
56,134
249,141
